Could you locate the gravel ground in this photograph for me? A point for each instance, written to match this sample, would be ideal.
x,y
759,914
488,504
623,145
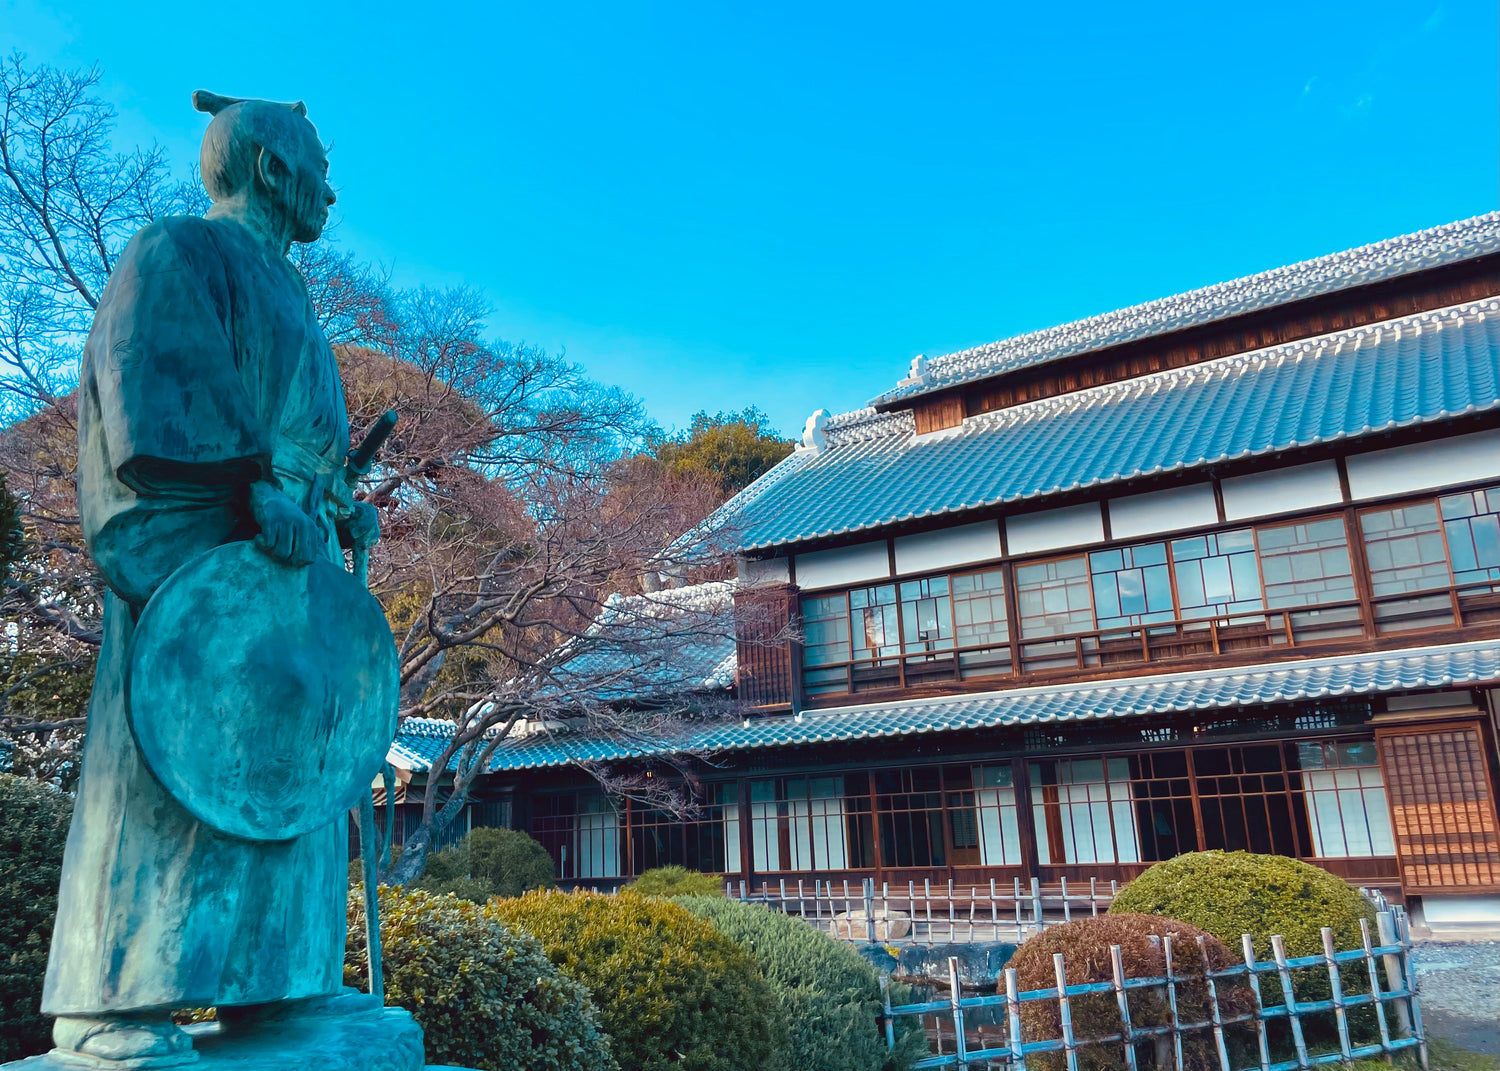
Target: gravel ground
x,y
1459,986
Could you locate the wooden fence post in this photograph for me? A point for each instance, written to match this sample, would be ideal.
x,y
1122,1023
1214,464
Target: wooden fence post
x,y
1278,950
1117,967
955,997
1013,1018
1336,984
1247,944
1065,1010
1213,1005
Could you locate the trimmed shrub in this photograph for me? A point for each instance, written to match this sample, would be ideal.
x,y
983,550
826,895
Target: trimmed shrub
x,y
486,997
489,862
1234,893
828,993
33,829
677,880
672,992
1085,946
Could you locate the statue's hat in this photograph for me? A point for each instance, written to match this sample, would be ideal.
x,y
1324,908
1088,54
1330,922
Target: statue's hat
x,y
263,696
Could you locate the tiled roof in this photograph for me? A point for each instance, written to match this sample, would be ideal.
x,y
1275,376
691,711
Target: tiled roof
x,y
1414,669
1389,259
665,641
875,472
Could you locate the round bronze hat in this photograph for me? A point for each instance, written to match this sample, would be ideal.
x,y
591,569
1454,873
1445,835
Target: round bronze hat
x,y
263,696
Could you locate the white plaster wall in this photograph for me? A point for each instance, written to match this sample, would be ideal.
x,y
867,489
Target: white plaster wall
x,y
1471,909
757,571
1440,463
843,565
946,547
1163,511
1070,526
1281,490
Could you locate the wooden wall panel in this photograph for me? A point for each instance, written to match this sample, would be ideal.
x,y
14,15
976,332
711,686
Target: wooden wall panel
x,y
763,636
939,414
1443,804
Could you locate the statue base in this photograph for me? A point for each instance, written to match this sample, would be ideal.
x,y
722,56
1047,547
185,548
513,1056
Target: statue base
x,y
389,1041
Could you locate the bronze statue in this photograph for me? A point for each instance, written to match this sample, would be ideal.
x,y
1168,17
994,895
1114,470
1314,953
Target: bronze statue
x,y
245,679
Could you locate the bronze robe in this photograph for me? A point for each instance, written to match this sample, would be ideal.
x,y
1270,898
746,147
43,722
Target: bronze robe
x,y
205,370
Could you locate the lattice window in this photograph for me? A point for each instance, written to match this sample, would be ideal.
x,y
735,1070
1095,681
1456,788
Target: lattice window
x,y
1443,808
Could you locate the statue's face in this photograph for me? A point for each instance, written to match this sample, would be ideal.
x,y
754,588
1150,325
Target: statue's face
x,y
307,196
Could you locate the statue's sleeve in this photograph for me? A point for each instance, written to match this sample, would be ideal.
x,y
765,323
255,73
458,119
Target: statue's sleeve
x,y
173,404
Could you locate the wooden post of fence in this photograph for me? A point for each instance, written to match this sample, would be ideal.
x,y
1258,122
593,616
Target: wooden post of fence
x,y
952,914
1065,1010
1013,1018
1403,935
1067,908
1117,966
890,1020
1094,897
1020,933
1036,903
1247,944
744,889
1375,990
1395,980
1166,951
1278,950
1213,1004
870,913
955,1003
1336,984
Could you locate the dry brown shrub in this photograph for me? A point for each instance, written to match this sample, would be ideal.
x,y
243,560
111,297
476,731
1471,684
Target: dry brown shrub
x,y
1085,946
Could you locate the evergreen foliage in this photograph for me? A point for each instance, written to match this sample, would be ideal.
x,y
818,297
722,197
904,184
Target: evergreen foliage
x,y
486,996
1085,946
1233,893
829,995
673,993
33,829
489,862
730,449
677,880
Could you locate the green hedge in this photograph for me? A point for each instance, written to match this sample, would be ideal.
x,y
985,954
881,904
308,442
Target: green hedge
x,y
828,993
486,997
1234,893
1085,946
489,862
672,992
33,829
676,880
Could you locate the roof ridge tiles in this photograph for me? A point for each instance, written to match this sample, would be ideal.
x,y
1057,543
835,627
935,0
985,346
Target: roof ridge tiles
x,y
1389,258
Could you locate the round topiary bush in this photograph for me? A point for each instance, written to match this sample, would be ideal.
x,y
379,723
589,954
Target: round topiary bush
x,y
33,829
1085,947
672,992
486,996
677,881
828,993
1234,893
489,862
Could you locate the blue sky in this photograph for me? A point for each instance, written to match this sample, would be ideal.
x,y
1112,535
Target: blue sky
x,y
713,205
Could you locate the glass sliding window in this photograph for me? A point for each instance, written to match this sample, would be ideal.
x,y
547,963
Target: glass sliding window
x,y
1347,809
1216,574
910,803
1472,523
596,845
1131,585
825,643
1244,799
1054,597
1306,564
1084,811
1404,546
809,824
874,629
927,629
660,838
979,619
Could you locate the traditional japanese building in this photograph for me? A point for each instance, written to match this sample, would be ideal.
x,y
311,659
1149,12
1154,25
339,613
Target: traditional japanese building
x,y
1217,571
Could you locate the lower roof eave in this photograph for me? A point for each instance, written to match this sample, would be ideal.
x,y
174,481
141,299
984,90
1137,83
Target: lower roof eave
x,y
1368,673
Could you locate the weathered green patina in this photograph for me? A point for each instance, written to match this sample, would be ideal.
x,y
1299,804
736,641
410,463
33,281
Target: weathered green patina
x,y
246,689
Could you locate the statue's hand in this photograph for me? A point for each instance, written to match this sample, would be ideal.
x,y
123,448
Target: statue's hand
x,y
287,533
361,525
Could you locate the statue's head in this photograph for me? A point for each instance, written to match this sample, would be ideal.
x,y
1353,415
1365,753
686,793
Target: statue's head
x,y
264,151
